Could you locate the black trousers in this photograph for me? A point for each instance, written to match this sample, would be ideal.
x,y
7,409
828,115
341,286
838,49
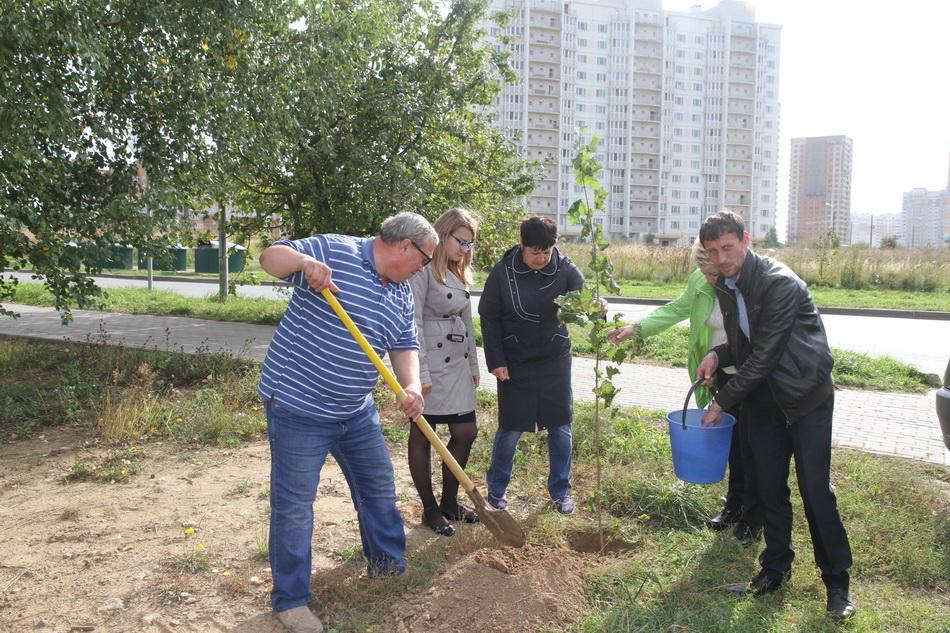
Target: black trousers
x,y
773,441
740,491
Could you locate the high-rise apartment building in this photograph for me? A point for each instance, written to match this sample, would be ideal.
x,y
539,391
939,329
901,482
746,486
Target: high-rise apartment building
x,y
870,229
819,188
685,104
924,214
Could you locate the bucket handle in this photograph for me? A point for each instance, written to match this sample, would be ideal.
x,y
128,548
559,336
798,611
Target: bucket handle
x,y
689,394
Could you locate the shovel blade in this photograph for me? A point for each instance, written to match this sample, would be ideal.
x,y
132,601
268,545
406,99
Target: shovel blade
x,y
501,524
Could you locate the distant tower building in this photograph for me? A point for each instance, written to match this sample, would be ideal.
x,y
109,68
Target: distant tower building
x,y
924,214
870,229
685,104
819,191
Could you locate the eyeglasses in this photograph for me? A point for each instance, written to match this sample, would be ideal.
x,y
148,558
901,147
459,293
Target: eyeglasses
x,y
465,246
425,258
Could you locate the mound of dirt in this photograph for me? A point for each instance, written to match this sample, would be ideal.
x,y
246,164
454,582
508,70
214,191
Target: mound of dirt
x,y
509,590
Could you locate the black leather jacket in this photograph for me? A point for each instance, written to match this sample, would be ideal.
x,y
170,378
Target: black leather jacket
x,y
789,350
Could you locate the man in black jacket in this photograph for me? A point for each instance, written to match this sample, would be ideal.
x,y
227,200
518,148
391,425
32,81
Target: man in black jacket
x,y
777,342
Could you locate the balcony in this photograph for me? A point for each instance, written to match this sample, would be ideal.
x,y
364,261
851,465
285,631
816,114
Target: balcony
x,y
742,141
544,56
543,39
646,133
738,170
542,143
645,100
648,34
743,44
741,59
551,73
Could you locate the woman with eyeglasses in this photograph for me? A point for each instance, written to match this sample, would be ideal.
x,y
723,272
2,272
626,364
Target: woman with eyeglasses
x,y
448,365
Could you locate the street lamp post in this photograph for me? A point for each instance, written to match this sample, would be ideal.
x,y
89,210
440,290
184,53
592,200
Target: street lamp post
x,y
828,205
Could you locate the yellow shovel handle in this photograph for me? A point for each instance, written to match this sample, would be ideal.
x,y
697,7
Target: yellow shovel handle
x,y
447,458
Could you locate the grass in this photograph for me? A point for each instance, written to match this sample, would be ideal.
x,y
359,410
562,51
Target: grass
x,y
852,369
165,302
668,348
127,395
670,579
925,270
261,547
673,575
118,467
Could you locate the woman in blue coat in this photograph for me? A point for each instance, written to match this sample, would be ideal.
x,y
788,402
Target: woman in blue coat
x,y
529,351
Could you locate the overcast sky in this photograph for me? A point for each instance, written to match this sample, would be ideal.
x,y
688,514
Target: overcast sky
x,y
877,72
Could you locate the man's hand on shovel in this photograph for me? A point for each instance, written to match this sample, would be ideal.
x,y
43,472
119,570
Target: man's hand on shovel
x,y
412,404
318,275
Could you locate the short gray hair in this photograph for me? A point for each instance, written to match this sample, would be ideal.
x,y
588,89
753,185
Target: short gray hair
x,y
407,225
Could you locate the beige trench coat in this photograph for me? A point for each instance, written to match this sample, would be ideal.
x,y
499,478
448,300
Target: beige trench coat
x,y
447,357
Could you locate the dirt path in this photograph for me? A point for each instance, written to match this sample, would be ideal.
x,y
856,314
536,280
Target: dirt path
x,y
106,555
101,556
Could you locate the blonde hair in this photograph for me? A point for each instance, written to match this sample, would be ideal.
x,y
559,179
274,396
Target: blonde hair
x,y
448,223
700,257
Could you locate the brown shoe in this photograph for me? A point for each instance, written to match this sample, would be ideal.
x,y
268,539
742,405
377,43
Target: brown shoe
x,y
300,620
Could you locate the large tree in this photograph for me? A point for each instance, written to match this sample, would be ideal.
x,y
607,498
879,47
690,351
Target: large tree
x,y
392,114
99,92
327,115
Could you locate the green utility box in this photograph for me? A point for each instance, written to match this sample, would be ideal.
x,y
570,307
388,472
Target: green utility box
x,y
172,258
120,256
206,258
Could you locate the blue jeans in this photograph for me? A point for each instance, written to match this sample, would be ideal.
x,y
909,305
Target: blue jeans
x,y
559,461
298,448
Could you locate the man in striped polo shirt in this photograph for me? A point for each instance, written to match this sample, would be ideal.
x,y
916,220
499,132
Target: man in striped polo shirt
x,y
317,388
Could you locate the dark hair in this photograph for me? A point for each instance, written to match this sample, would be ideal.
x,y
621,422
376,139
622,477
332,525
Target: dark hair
x,y
538,232
721,223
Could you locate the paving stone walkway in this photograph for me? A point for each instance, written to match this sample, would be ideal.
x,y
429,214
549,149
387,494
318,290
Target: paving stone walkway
x,y
877,422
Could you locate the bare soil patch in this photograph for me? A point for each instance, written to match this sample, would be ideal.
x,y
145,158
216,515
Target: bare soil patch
x,y
515,590
174,549
109,556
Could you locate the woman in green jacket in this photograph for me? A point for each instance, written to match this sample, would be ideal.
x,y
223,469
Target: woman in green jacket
x,y
700,305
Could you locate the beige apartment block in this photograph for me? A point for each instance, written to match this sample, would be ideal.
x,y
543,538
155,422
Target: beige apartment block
x,y
685,106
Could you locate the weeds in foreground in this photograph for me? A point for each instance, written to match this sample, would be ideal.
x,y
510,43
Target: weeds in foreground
x,y
195,557
261,549
128,394
117,467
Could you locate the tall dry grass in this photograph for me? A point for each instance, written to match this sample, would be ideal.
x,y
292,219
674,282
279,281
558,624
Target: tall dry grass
x,y
854,267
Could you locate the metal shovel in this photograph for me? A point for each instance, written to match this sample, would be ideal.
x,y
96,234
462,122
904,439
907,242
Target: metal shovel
x,y
501,524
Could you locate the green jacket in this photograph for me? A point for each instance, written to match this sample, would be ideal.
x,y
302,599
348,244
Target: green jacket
x,y
696,303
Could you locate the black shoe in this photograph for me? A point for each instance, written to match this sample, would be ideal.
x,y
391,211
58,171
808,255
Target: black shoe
x,y
745,534
839,606
459,513
767,581
724,519
434,519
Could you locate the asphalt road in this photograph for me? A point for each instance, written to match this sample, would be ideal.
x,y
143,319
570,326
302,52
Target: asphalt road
x,y
921,342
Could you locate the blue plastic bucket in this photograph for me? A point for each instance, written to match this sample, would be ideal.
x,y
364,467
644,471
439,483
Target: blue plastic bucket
x,y
700,453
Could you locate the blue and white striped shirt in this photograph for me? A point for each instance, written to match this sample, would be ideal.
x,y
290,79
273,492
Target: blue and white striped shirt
x,y
313,364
